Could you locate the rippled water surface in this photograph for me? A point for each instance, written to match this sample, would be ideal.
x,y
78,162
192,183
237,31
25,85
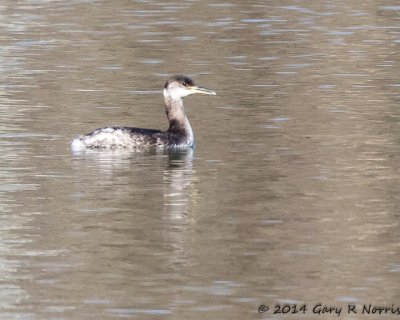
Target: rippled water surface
x,y
291,196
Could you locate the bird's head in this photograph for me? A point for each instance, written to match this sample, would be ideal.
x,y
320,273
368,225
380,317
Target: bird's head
x,y
178,87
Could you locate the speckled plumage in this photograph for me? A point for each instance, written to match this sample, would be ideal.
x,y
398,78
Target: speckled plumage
x,y
130,137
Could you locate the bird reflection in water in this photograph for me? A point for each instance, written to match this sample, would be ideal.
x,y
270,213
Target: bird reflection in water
x,y
178,189
180,201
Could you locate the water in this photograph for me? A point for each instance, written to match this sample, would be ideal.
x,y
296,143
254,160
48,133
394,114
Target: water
x,y
291,195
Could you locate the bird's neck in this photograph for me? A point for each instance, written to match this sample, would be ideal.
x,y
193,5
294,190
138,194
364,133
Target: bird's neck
x,y
178,121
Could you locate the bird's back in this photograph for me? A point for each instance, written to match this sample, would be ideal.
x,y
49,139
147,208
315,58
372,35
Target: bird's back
x,y
129,137
118,137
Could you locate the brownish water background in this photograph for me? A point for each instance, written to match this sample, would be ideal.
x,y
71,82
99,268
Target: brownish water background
x,y
291,196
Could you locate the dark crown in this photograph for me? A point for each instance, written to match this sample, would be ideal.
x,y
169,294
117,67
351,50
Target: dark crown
x,y
184,80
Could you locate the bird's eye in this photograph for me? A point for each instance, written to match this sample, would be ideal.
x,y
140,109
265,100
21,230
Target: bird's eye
x,y
185,84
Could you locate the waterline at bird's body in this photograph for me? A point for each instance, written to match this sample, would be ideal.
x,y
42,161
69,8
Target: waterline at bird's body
x,y
128,137
178,136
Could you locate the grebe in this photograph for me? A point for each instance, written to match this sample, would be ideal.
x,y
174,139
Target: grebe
x,y
179,134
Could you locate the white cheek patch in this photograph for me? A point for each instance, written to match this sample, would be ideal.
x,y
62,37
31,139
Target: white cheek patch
x,y
176,93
